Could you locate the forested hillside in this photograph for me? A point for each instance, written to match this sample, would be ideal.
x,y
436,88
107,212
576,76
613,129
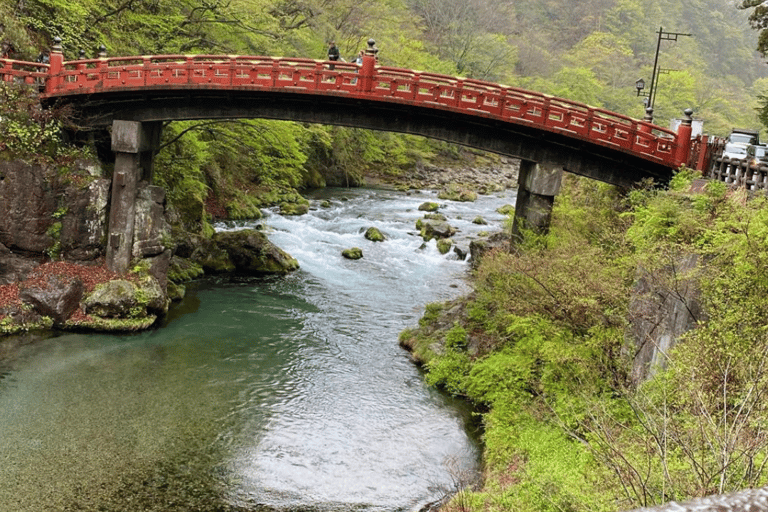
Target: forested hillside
x,y
591,51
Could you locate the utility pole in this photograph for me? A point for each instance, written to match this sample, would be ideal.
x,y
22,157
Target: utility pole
x,y
640,84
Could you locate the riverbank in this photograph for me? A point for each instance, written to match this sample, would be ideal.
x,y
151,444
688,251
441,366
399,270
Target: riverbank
x,y
556,346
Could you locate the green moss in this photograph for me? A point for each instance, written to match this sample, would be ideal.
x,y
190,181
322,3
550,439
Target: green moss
x,y
97,323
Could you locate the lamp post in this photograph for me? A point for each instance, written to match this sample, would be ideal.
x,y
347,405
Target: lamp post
x,y
640,84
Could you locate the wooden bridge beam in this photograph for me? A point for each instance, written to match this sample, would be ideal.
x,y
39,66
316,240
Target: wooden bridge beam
x,y
134,144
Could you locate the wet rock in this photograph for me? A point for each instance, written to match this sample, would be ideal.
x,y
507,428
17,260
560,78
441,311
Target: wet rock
x,y
251,252
354,253
294,208
429,206
374,235
444,245
436,229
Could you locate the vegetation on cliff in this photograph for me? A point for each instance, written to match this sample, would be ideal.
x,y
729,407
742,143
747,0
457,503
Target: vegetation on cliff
x,y
542,347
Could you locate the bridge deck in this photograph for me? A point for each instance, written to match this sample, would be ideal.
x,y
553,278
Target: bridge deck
x,y
112,77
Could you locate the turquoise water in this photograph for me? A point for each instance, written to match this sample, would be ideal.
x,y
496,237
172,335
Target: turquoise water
x,y
278,393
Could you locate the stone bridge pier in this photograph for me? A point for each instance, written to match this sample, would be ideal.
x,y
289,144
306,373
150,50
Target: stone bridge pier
x,y
538,184
134,144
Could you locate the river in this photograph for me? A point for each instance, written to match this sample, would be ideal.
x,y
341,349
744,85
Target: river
x,y
276,393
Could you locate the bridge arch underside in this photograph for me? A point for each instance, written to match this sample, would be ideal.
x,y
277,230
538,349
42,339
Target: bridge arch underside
x,y
551,150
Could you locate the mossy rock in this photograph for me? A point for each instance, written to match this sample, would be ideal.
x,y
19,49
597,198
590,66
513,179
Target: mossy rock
x,y
506,209
463,195
429,206
354,253
444,245
325,204
480,221
374,235
294,208
251,252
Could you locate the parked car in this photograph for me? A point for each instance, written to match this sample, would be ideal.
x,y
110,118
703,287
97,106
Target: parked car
x,y
744,136
735,151
757,154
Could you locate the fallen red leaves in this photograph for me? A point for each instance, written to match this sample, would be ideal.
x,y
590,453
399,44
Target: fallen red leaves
x,y
90,275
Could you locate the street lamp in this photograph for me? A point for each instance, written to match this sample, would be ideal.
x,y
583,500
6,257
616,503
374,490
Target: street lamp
x,y
640,84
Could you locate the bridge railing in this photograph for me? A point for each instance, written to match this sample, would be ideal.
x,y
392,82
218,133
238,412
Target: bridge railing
x,y
17,71
300,75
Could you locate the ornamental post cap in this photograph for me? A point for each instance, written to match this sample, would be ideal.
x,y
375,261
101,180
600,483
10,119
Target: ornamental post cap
x,y
56,45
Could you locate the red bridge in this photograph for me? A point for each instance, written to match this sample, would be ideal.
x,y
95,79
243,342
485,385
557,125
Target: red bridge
x,y
548,134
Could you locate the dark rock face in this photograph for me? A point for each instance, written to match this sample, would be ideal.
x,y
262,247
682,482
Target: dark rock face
x,y
150,226
84,225
14,268
251,252
665,304
477,248
40,210
27,204
58,298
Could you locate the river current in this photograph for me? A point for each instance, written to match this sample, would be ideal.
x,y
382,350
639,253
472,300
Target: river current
x,y
275,393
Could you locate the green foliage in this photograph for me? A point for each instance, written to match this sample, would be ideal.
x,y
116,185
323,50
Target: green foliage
x,y
26,130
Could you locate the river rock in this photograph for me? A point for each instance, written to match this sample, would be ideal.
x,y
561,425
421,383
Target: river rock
x,y
429,206
354,253
374,235
251,252
436,229
294,208
444,245
56,298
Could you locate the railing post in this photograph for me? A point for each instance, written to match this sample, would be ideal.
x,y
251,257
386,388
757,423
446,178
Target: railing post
x,y
55,67
647,121
683,139
369,63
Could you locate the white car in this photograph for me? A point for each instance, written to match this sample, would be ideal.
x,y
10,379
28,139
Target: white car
x,y
735,151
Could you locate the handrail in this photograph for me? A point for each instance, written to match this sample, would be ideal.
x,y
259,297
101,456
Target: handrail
x,y
389,84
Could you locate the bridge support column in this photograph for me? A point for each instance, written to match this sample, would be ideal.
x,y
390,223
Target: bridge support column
x,y
538,184
134,144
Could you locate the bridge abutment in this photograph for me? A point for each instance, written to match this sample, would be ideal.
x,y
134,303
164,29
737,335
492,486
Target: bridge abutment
x,y
134,144
538,184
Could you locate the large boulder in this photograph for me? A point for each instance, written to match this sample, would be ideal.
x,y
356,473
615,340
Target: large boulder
x,y
124,299
251,252
56,297
113,299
